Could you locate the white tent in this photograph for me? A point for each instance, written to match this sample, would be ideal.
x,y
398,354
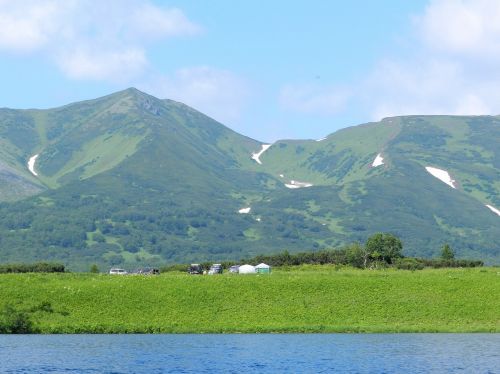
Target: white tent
x,y
247,269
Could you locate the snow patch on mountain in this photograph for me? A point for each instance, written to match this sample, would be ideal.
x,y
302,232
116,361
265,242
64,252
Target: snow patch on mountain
x,y
442,175
256,156
31,164
379,160
245,210
297,184
493,209
320,140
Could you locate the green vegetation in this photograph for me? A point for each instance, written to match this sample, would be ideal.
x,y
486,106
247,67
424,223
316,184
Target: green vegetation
x,y
13,321
94,269
38,267
447,253
132,180
385,247
309,298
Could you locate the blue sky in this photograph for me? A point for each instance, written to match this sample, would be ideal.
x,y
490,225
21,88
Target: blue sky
x,y
268,69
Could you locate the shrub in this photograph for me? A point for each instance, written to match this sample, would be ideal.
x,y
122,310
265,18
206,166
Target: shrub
x,y
48,267
408,263
38,267
94,269
13,321
183,268
440,263
98,237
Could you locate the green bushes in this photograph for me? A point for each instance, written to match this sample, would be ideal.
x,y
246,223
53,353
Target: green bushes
x,y
94,269
380,250
441,263
287,259
37,267
409,263
176,267
13,321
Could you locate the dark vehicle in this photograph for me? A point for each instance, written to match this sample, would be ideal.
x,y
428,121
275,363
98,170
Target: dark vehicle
x,y
149,271
215,269
195,269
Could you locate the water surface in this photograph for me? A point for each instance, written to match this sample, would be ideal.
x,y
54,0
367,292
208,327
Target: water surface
x,y
267,353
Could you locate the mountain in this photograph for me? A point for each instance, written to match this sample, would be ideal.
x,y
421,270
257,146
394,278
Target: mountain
x,y
131,179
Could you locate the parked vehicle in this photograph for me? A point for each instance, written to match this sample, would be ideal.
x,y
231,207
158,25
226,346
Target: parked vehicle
x,y
215,269
118,271
234,269
195,269
148,271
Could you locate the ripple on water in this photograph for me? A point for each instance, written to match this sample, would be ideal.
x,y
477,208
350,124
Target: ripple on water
x,y
270,353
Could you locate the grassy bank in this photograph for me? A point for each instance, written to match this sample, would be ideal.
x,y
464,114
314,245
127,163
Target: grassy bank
x,y
307,299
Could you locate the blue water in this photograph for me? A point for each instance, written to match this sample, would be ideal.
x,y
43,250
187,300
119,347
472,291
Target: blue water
x,y
263,353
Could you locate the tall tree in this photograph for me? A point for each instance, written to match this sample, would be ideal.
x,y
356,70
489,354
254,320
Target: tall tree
x,y
357,255
447,253
386,246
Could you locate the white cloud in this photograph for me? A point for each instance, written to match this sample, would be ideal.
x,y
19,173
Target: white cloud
x,y
218,93
468,27
90,39
452,68
425,87
85,63
28,25
154,22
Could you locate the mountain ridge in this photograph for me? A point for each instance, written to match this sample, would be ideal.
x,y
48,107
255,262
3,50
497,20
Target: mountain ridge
x,y
154,180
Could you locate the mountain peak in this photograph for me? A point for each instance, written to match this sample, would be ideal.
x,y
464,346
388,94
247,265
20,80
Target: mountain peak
x,y
132,98
134,93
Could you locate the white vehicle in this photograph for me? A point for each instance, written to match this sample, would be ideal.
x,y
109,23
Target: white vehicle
x,y
215,269
118,271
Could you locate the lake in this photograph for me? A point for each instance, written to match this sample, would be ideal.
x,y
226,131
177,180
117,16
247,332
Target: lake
x,y
269,353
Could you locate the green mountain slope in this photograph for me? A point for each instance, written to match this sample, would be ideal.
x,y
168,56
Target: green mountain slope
x,y
131,179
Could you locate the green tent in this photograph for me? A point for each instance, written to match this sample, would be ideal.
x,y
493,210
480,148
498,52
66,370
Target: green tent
x,y
263,269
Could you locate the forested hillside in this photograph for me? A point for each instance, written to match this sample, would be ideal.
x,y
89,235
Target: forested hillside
x,y
129,179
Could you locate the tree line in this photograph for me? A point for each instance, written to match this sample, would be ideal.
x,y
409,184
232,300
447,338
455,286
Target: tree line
x,y
380,250
37,267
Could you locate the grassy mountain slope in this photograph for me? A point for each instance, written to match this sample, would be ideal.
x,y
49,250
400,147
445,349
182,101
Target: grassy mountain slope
x,y
131,179
354,199
340,158
18,137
